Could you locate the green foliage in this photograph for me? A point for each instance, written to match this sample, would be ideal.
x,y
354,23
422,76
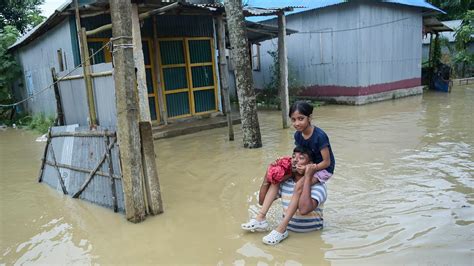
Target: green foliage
x,y
20,14
436,56
455,9
16,17
463,37
40,123
269,97
9,69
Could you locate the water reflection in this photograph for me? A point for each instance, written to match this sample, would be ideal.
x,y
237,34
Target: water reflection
x,y
403,183
54,245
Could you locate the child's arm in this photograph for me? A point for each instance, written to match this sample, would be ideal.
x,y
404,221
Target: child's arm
x,y
325,163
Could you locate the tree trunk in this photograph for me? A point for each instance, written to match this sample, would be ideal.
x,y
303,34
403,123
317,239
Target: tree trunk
x,y
243,74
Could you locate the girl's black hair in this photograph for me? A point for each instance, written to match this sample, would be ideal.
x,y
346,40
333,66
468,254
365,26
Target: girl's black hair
x,y
304,150
302,107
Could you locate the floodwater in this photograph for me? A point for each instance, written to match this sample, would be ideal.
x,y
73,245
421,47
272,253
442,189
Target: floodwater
x,y
402,194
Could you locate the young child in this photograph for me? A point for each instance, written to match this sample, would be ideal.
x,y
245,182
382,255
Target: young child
x,y
314,138
322,168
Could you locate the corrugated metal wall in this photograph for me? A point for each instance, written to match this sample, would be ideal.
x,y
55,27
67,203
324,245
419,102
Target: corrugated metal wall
x,y
84,152
324,52
184,26
37,59
74,98
390,52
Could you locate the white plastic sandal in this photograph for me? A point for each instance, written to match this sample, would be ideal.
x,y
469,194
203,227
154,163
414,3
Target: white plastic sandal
x,y
275,237
254,225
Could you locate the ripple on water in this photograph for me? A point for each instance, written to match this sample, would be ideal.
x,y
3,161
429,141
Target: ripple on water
x,y
55,244
425,192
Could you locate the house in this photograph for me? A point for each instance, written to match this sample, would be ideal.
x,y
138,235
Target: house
x,y
351,52
178,40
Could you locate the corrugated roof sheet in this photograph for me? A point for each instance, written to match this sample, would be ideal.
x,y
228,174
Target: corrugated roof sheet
x,y
453,24
317,4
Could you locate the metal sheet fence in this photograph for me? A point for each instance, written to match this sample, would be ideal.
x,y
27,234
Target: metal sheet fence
x,y
74,99
74,152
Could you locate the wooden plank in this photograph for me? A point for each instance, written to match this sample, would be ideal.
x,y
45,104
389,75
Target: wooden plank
x,y
111,174
224,75
59,108
152,183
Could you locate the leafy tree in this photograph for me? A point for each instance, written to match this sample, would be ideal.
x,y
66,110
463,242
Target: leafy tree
x,y
455,9
463,36
21,14
9,69
16,17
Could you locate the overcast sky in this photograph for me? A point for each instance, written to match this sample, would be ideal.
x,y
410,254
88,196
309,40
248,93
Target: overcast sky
x,y
49,6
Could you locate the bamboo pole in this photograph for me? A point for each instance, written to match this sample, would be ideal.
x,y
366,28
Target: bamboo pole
x,y
84,134
224,74
84,53
78,29
86,67
159,87
94,75
283,62
79,169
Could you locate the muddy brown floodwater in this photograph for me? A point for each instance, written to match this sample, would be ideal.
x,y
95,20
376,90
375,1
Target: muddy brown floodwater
x,y
402,194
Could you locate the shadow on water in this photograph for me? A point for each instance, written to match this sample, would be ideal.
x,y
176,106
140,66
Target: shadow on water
x,y
402,193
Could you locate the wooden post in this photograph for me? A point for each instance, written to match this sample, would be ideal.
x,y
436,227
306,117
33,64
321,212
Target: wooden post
x,y
283,62
243,74
159,91
140,66
152,182
430,55
224,74
59,108
127,111
45,157
111,174
86,67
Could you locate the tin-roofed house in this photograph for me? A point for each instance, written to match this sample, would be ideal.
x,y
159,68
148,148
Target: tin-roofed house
x,y
178,40
174,52
352,52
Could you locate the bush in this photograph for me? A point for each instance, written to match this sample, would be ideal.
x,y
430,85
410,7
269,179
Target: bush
x,y
39,123
269,97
